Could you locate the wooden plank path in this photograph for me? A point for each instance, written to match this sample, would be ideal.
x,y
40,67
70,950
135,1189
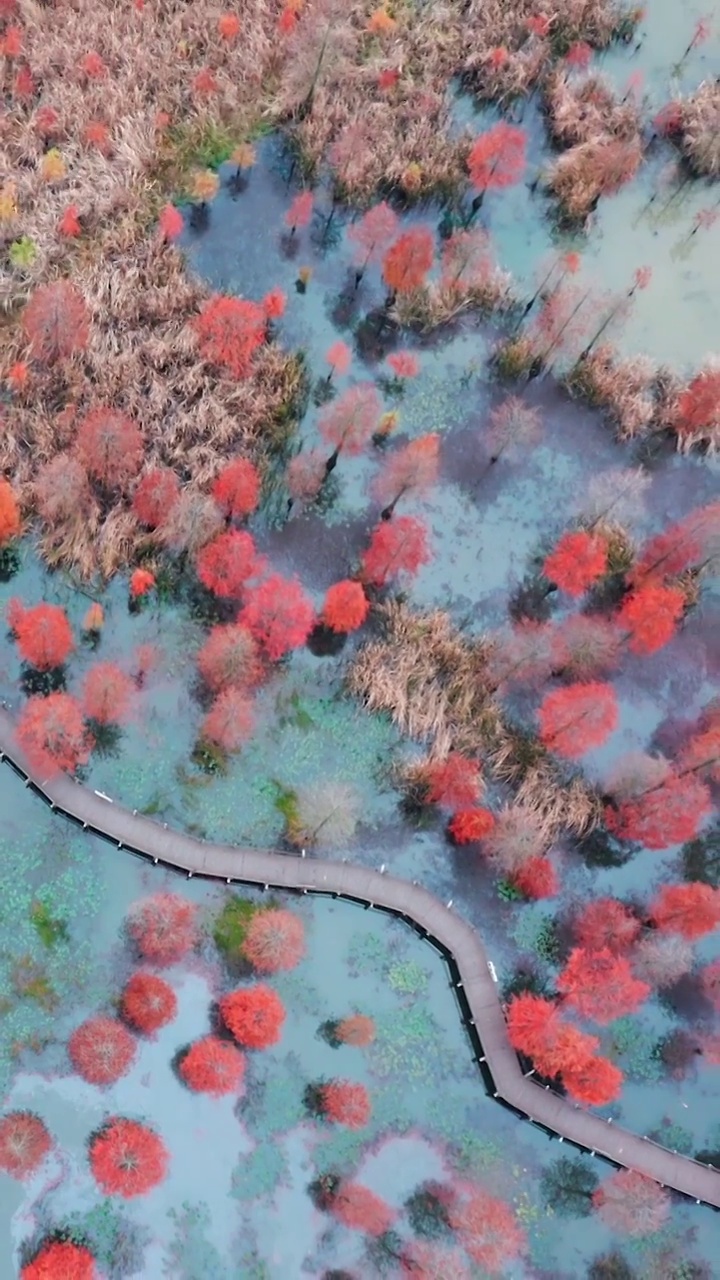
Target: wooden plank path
x,y
461,945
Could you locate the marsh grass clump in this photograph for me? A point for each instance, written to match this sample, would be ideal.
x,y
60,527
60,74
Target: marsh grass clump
x,y
625,388
693,124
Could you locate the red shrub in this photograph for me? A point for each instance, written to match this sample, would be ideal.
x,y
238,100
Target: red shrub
x,y
148,1002
411,469
237,488
43,635
9,513
254,1016
52,734
230,331
163,927
408,260
346,607
487,1228
24,1143
632,1204
497,158
226,564
595,1084
170,222
69,224
56,322
127,1159
213,1066
110,445
338,356
279,615
601,985
578,560
698,407
536,879
345,1103
453,781
666,814
357,1030
404,364
469,825
274,304
141,582
532,1023
688,909
107,693
61,1260
229,26
650,615
156,494
101,1050
359,1208
578,717
396,547
230,721
372,233
606,923
300,211
229,659
348,423
274,940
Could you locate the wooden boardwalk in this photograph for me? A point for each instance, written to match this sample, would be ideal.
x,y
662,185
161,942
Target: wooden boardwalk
x,y
461,945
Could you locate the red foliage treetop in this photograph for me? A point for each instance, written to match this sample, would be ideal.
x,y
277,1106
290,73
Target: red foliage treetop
x,y
690,541
24,1143
426,1260
52,733
229,658
56,322
344,1102
349,422
605,922
274,940
278,614
110,445
536,879
532,1023
61,1260
454,781
9,513
357,1029
650,615
213,1066
688,909
230,721
300,211
578,560
156,494
594,1084
632,1204
163,927
148,1002
410,469
372,233
230,331
577,718
127,1159
601,985
346,606
237,488
698,407
101,1050
408,260
471,824
487,1228
497,157
254,1015
359,1208
42,633
338,356
107,693
226,564
664,814
396,547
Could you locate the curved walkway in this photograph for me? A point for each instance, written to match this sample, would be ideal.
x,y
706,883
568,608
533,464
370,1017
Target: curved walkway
x,y
457,940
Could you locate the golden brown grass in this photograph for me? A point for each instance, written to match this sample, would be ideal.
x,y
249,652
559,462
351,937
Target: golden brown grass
x,y
435,684
698,130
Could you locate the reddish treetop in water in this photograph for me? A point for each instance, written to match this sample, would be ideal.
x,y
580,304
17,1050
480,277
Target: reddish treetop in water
x,y
254,1015
698,407
300,211
577,718
24,1143
278,614
578,560
487,1228
410,469
156,494
536,879
594,1084
127,1159
349,422
42,633
667,813
61,1260
163,927
650,615
453,781
346,606
408,260
229,658
230,721
9,513
372,233
357,1029
601,985
52,733
497,157
230,331
56,322
237,488
396,547
427,1260
691,910
338,356
632,1204
471,824
226,564
359,1208
101,1050
605,922
107,693
345,1102
274,940
110,445
213,1066
148,1002
531,1021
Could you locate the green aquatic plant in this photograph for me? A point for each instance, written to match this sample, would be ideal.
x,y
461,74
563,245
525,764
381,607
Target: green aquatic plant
x,y
408,978
567,1186
636,1047
259,1173
50,929
22,253
231,924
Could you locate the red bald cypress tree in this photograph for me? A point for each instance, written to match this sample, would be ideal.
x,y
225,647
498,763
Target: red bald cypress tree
x,y
52,733
496,160
396,547
577,561
254,1015
60,1260
371,236
669,813
692,910
24,1143
577,718
605,922
107,693
601,985
157,493
650,615
346,606
408,260
56,322
42,634
213,1066
409,470
236,489
278,614
454,781
230,331
348,424
110,445
344,1102
226,564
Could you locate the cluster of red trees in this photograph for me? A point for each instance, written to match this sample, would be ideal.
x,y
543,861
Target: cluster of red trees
x,y
60,1260
557,1048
